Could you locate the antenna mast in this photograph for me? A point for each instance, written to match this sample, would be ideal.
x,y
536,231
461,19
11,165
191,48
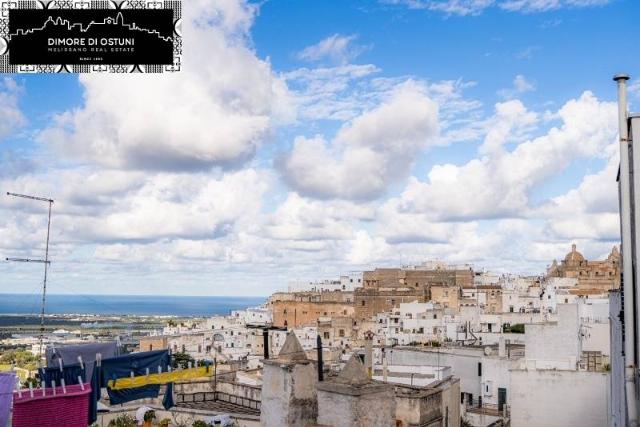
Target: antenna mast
x,y
45,261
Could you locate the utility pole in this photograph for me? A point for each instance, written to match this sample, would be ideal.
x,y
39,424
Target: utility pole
x,y
44,261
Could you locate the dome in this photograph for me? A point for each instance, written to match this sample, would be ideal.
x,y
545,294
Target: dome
x,y
573,256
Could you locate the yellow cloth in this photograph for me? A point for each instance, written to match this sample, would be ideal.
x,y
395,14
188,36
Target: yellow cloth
x,y
163,378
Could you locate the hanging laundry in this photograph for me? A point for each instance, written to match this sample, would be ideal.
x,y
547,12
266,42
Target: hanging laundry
x,y
69,354
7,384
162,378
95,394
69,373
138,363
167,401
46,409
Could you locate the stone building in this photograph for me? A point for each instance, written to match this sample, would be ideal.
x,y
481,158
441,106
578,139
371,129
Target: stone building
x,y
291,310
289,394
153,342
372,301
353,400
447,296
384,288
601,275
417,277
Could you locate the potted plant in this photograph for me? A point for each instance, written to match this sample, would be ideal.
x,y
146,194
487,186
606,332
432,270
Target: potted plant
x,y
149,416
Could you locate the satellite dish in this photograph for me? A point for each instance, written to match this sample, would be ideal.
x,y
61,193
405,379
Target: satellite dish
x,y
488,351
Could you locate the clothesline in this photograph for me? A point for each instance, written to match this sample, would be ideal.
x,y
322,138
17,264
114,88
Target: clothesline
x,y
160,378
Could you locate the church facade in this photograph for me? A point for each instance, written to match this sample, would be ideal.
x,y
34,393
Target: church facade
x,y
591,275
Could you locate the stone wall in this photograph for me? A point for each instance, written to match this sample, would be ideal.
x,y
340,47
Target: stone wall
x,y
559,398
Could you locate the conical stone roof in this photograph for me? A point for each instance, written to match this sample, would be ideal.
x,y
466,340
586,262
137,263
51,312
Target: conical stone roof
x,y
354,372
292,351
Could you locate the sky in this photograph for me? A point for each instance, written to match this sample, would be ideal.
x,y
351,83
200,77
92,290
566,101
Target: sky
x,y
307,139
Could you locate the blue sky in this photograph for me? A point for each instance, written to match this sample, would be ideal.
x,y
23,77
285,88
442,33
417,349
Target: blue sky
x,y
304,139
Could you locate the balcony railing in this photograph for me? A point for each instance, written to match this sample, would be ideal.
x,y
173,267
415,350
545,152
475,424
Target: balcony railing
x,y
488,409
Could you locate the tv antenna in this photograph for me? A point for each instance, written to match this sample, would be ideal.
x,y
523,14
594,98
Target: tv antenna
x,y
44,261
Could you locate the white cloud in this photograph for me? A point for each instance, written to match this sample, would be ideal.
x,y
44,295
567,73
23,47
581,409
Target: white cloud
x,y
116,206
476,7
546,5
366,249
634,88
11,118
333,93
337,48
497,184
527,52
215,111
589,211
369,152
450,7
510,123
520,86
302,219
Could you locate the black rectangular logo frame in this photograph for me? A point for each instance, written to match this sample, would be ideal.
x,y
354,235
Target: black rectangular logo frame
x,y
131,36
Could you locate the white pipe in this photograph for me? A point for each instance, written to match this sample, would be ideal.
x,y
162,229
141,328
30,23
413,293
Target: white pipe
x,y
627,256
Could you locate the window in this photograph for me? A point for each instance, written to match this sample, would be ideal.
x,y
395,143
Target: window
x,y
341,333
363,303
199,348
326,335
510,309
479,369
150,347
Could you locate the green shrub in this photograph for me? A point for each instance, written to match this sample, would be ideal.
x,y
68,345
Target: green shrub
x,y
124,420
518,328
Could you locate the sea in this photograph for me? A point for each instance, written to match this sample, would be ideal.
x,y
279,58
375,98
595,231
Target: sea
x,y
137,305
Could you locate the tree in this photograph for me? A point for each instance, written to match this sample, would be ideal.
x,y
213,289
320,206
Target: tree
x,y
21,358
181,360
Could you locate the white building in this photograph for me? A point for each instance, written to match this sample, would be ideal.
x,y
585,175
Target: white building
x,y
551,387
348,283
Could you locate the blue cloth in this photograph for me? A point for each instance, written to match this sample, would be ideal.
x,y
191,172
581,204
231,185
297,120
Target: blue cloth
x,y
95,394
69,373
122,366
69,354
167,402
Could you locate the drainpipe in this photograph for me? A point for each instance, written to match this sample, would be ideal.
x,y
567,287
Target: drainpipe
x,y
384,365
627,256
265,342
320,361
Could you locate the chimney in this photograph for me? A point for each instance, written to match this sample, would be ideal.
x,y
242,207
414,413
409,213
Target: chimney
x,y
626,275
